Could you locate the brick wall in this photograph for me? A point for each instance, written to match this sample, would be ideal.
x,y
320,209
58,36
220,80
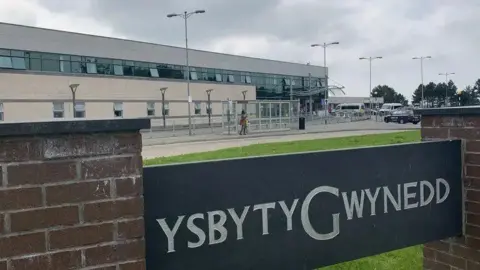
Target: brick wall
x,y
461,252
71,202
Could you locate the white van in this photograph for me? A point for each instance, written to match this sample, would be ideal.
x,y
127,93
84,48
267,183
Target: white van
x,y
387,108
349,108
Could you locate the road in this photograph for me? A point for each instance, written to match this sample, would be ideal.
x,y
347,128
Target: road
x,y
152,151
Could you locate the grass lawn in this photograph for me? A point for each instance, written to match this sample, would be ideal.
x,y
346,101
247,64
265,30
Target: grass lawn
x,y
405,259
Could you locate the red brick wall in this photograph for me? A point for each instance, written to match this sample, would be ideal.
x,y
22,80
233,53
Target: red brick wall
x,y
71,202
462,252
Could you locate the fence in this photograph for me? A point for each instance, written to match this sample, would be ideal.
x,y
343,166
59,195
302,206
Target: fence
x,y
263,116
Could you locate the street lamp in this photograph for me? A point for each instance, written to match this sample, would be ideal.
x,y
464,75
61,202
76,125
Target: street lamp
x,y
324,46
244,94
209,109
73,88
421,71
163,90
185,15
370,59
446,84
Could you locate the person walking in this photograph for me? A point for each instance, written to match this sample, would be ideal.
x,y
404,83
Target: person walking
x,y
243,123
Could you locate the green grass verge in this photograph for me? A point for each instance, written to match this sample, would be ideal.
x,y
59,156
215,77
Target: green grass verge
x,y
293,146
405,259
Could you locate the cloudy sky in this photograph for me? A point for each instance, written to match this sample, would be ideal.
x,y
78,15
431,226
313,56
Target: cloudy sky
x,y
397,30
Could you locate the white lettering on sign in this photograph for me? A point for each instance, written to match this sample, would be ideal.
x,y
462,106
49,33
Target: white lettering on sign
x,y
357,204
264,207
288,212
307,226
239,220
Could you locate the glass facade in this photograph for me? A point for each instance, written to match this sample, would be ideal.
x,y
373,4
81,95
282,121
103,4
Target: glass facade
x,y
269,86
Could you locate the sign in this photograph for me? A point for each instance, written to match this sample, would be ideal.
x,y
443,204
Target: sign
x,y
301,211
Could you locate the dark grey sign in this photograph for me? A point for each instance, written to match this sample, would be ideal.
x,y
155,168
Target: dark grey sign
x,y
301,211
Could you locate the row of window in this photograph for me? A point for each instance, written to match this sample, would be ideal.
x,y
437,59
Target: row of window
x,y
80,112
38,61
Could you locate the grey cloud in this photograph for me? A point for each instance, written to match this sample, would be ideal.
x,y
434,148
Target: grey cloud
x,y
146,19
452,40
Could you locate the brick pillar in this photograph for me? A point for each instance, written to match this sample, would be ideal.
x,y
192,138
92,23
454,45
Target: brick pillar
x,y
71,195
458,123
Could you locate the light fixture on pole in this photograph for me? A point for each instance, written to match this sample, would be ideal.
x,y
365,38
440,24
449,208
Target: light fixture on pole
x,y
244,93
185,15
421,72
370,59
73,88
163,90
446,74
324,46
209,108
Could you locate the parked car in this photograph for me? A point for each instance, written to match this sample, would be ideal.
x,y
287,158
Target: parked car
x,y
388,108
402,116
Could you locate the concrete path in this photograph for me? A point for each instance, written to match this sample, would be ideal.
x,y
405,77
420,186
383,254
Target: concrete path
x,y
152,151
158,138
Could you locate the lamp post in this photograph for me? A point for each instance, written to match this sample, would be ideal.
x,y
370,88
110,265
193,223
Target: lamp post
x,y
421,71
370,59
244,94
185,15
446,84
324,46
163,90
73,88
209,109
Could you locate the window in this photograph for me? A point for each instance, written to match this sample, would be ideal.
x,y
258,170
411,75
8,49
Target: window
x,y
5,62
231,78
76,67
128,68
35,64
193,75
1,112
166,109
65,66
287,81
154,72
5,52
118,109
151,108
79,110
198,107
218,77
18,63
118,70
91,68
50,65
248,79
58,110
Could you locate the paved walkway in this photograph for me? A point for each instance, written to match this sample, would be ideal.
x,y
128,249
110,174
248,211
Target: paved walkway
x,y
158,138
164,150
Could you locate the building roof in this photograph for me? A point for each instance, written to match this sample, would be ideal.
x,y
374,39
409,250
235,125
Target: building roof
x,y
29,38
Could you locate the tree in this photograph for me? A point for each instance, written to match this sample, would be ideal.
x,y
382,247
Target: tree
x,y
435,94
468,96
389,94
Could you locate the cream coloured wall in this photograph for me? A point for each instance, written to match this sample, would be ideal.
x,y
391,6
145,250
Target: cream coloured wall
x,y
29,97
33,86
21,111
